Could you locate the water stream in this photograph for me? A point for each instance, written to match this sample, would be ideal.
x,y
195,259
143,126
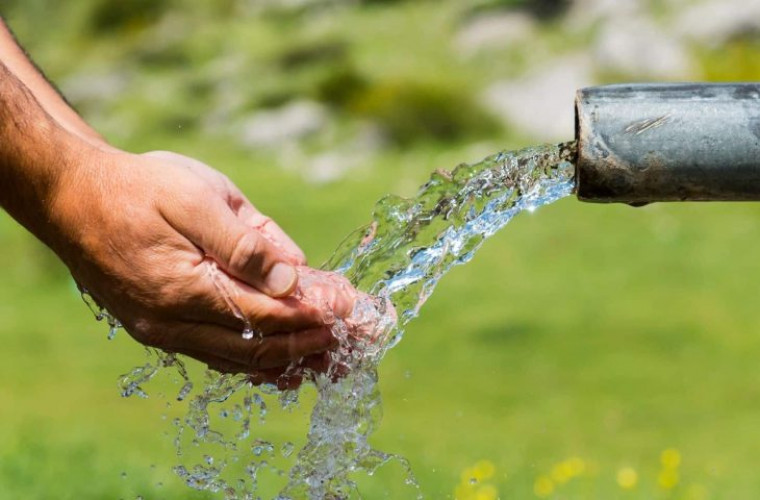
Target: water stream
x,y
396,261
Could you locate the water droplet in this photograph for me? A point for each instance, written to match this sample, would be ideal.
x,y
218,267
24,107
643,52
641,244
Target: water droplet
x,y
185,391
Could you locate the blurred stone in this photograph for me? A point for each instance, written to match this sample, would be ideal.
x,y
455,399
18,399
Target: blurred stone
x,y
289,123
337,158
541,103
330,166
718,21
90,88
639,48
358,151
585,13
493,30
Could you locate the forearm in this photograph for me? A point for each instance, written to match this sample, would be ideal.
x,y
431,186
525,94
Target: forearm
x,y
34,151
17,62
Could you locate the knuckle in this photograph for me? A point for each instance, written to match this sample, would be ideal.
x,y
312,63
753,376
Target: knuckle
x,y
263,221
246,251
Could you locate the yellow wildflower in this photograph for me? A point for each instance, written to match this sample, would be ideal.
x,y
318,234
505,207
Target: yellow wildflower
x,y
484,469
471,487
543,487
577,465
464,492
668,479
468,476
627,478
568,469
562,472
487,492
670,458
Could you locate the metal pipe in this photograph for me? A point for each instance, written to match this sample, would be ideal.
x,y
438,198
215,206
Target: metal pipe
x,y
642,143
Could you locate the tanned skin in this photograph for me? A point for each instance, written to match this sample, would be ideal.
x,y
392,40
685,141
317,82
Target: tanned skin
x,y
139,231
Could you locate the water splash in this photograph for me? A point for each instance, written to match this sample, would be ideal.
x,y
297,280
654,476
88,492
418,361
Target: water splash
x,y
229,294
100,312
397,261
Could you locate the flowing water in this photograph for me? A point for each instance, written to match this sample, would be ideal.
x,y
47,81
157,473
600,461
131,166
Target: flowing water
x,y
397,260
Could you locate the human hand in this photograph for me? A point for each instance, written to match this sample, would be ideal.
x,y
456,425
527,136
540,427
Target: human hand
x,y
140,233
360,322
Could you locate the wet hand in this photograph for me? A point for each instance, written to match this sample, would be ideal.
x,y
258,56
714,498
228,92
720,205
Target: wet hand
x,y
360,322
144,233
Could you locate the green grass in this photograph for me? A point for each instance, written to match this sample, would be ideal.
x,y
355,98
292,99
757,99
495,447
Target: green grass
x,y
604,333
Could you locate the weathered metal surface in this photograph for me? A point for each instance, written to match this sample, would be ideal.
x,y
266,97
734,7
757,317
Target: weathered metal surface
x,y
642,143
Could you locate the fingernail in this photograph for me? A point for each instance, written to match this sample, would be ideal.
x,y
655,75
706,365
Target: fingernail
x,y
281,279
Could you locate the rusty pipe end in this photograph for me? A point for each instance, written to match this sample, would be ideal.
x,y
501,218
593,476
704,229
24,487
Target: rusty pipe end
x,y
641,143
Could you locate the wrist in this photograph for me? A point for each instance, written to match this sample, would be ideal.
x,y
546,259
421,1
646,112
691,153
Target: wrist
x,y
37,156
72,210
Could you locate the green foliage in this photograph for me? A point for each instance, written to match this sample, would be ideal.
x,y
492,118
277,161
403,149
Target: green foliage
x,y
313,52
381,2
162,55
108,17
411,111
542,9
341,86
737,60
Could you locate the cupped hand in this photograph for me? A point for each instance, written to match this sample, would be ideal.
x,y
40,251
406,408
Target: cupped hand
x,y
145,234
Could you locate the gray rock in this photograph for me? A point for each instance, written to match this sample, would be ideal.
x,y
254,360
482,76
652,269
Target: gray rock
x,y
289,123
541,103
331,166
358,151
715,22
493,30
639,48
585,13
91,87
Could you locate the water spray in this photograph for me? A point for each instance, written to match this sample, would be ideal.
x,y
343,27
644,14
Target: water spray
x,y
642,143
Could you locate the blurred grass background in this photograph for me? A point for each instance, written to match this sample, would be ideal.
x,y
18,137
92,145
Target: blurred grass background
x,y
578,346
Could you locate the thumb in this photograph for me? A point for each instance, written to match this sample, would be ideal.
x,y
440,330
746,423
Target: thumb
x,y
247,255
240,250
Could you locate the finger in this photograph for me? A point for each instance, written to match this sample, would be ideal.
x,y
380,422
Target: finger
x,y
274,376
224,366
237,202
271,230
214,297
240,250
285,378
272,351
327,290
